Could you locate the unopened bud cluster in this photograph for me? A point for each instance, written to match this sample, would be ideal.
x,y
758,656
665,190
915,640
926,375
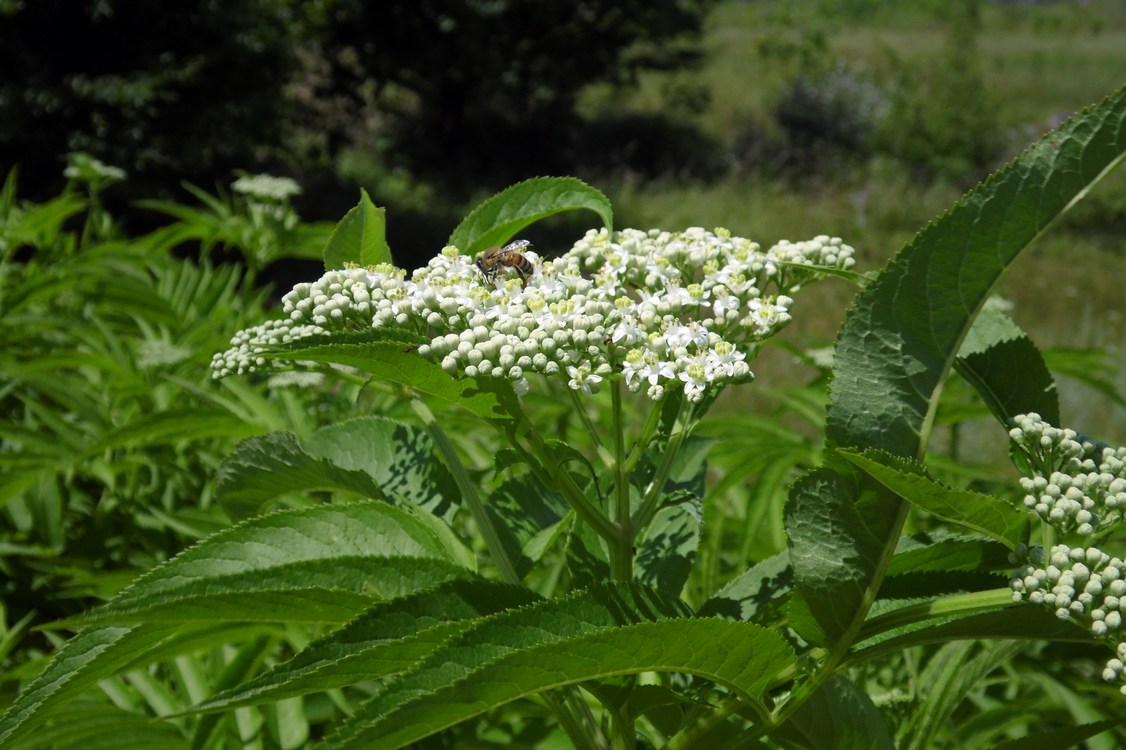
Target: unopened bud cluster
x,y
1075,486
1084,585
663,309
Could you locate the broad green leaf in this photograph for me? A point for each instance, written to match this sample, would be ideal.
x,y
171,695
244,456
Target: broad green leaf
x,y
522,509
398,456
1060,738
88,657
466,680
260,469
1016,622
1007,370
932,553
839,716
904,330
388,638
981,513
500,217
937,583
372,456
668,546
360,237
316,564
832,550
757,590
102,726
396,362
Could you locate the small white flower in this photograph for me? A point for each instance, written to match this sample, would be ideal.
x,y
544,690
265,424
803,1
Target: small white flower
x,y
582,379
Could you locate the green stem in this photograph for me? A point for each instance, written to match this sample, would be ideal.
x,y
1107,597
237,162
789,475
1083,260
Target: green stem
x,y
1048,537
840,648
621,558
468,492
700,732
652,497
565,484
591,428
576,719
643,440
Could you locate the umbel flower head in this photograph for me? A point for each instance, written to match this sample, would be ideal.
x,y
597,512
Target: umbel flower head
x,y
1077,487
1082,584
664,310
1074,486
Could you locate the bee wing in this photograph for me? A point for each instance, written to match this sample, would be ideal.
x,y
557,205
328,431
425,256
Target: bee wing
x,y
517,245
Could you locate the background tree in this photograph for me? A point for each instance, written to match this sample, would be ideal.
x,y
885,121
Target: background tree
x,y
187,89
190,89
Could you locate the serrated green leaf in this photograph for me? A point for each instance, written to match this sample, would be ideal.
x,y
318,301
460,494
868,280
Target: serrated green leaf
x,y
669,543
522,509
328,562
360,237
839,716
924,553
758,589
499,218
739,655
261,468
314,591
88,657
94,726
832,549
904,330
388,638
1016,622
1007,369
982,513
373,456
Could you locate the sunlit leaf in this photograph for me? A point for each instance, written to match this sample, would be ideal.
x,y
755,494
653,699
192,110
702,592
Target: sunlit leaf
x,y
500,217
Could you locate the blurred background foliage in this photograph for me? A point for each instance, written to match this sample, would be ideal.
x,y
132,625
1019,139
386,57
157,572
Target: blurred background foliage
x,y
763,116
857,118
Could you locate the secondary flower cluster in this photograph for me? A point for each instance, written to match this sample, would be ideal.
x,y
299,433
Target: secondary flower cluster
x,y
1081,584
663,309
1075,486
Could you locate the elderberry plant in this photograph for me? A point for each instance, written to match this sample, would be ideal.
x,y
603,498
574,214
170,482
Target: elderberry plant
x,y
1075,487
663,313
874,623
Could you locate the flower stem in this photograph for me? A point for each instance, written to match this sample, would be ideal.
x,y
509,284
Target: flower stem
x,y
652,498
591,428
621,557
578,500
468,492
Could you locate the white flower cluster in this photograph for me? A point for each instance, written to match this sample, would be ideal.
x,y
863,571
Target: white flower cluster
x,y
266,187
1085,585
663,309
1075,486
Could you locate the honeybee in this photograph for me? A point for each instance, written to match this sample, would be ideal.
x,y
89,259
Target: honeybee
x,y
492,260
